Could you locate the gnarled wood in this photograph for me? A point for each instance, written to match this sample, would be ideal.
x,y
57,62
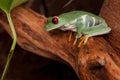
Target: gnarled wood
x,y
111,13
95,61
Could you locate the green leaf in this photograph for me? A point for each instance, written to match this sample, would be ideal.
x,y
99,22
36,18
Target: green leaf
x,y
9,57
8,5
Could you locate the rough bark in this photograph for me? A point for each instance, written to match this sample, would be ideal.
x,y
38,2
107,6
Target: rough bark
x,y
97,60
111,13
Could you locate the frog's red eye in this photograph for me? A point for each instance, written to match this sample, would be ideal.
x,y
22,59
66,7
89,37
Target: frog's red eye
x,y
55,20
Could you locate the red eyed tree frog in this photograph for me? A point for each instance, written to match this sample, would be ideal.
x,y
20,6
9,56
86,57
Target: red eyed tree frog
x,y
84,23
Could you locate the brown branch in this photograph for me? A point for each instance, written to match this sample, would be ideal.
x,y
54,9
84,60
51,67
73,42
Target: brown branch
x,y
110,12
94,61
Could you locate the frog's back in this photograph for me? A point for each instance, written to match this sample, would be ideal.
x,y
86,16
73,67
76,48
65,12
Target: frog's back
x,y
77,14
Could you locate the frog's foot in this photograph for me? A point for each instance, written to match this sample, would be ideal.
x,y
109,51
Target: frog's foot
x,y
83,41
70,36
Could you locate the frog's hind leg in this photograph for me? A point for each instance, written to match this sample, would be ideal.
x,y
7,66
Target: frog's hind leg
x,y
96,30
93,31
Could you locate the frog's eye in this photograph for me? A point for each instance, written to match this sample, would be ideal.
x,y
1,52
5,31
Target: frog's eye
x,y
55,20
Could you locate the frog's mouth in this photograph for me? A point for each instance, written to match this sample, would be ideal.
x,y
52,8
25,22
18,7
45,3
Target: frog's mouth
x,y
49,28
63,28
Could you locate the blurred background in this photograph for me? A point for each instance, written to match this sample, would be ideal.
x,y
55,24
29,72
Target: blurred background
x,y
28,66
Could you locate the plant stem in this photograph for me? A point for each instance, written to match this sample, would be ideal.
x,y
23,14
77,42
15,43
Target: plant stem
x,y
9,57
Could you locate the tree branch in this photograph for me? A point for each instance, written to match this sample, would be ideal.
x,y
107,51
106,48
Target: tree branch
x,y
110,12
95,61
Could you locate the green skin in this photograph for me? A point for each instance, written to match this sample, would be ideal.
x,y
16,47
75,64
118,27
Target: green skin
x,y
84,23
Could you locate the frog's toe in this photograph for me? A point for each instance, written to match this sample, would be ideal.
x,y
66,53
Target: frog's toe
x,y
70,36
82,40
75,42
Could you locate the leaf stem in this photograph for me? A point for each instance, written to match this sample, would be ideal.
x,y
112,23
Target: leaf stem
x,y
9,57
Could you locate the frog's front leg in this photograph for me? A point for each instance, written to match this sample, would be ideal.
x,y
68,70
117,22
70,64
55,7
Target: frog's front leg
x,y
79,25
76,38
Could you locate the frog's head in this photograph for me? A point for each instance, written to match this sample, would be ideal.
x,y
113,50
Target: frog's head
x,y
54,22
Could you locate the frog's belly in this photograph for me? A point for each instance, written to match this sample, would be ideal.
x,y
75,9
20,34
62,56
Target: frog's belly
x,y
68,28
